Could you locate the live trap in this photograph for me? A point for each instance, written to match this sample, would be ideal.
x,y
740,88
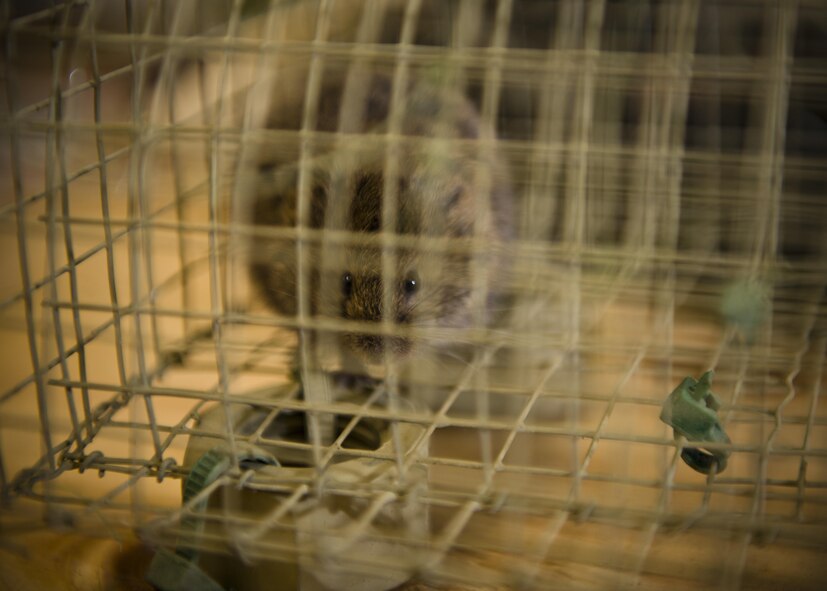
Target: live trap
x,y
667,164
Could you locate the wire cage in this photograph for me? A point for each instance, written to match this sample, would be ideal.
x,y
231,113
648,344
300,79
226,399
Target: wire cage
x,y
664,164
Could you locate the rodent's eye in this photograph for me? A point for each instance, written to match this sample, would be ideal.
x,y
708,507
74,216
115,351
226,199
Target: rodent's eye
x,y
347,284
411,284
453,198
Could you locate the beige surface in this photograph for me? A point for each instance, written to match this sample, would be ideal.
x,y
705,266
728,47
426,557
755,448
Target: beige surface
x,y
68,562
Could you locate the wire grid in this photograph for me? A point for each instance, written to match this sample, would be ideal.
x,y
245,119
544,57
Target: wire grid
x,y
663,132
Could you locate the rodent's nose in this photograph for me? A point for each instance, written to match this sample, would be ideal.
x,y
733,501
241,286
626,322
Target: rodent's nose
x,y
373,347
364,303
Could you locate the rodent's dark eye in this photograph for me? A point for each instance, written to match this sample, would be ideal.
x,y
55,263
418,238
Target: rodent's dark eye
x,y
411,284
347,284
453,199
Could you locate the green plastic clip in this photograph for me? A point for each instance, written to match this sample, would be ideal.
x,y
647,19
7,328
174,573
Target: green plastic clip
x,y
691,411
170,571
746,304
179,570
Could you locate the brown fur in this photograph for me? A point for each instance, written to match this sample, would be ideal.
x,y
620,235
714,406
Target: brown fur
x,y
440,193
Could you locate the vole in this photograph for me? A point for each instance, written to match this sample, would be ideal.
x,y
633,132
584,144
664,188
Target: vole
x,y
451,182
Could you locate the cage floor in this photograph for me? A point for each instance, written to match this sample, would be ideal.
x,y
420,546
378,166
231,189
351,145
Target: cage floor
x,y
581,552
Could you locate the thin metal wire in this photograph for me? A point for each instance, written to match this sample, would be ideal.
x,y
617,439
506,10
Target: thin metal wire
x,y
319,430
137,208
68,245
12,94
177,163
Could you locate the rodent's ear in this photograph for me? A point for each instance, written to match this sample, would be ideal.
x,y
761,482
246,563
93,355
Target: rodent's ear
x,y
277,202
271,206
460,210
454,198
318,203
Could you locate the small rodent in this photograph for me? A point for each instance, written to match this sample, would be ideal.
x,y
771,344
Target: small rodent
x,y
451,182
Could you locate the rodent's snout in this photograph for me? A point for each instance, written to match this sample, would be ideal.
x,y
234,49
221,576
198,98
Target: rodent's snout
x,y
373,347
362,300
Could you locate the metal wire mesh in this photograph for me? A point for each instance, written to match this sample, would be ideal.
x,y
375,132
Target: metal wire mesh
x,y
667,162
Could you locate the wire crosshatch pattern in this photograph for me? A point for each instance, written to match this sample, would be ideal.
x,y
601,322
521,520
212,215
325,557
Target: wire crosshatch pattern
x,y
667,157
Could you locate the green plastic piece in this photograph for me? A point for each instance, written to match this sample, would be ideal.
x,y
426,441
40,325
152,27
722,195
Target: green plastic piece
x,y
208,468
746,304
179,570
691,411
171,572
